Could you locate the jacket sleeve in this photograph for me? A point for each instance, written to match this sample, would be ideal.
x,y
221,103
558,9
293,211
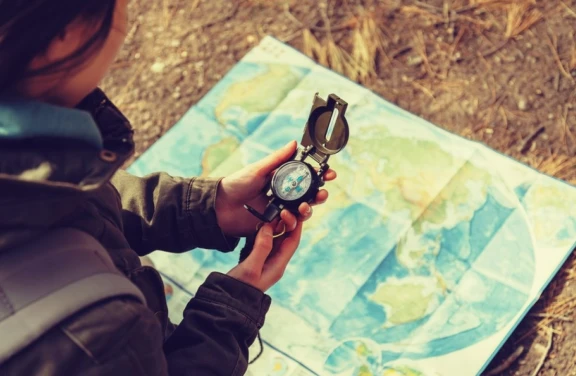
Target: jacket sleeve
x,y
124,337
220,324
173,214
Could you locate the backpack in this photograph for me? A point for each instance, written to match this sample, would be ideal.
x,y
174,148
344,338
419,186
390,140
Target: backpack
x,y
46,281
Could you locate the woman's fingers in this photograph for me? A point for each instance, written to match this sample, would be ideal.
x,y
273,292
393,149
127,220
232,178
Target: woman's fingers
x,y
289,220
279,259
321,197
305,211
262,248
330,175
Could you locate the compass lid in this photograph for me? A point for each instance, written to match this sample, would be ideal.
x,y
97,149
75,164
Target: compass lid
x,y
327,128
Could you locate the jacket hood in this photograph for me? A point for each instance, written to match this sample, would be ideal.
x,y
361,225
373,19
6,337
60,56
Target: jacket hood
x,y
52,157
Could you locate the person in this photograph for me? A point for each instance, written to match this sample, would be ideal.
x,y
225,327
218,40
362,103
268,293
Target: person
x,y
63,144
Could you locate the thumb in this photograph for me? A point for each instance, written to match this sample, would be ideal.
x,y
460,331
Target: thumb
x,y
265,166
262,247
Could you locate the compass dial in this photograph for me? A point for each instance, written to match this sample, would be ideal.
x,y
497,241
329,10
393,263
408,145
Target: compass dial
x,y
292,181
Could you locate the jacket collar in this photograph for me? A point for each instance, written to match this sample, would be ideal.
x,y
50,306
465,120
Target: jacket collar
x,y
22,119
49,146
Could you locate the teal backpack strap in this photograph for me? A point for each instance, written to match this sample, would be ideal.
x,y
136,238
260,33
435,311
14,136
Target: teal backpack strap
x,y
51,278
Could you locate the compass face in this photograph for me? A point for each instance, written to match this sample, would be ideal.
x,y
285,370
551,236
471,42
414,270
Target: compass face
x,y
292,181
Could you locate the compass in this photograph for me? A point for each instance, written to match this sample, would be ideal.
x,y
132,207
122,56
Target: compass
x,y
293,181
297,181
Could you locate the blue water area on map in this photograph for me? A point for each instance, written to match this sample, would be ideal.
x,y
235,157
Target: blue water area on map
x,y
492,285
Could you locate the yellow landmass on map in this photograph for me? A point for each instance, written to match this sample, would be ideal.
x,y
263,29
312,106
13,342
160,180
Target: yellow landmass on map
x,y
260,94
551,208
406,300
416,176
217,153
401,371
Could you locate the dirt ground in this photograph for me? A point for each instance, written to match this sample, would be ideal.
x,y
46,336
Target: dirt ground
x,y
496,71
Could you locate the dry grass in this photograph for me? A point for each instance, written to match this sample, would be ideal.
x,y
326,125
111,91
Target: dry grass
x,y
313,48
520,17
359,64
369,44
559,165
552,42
368,41
572,64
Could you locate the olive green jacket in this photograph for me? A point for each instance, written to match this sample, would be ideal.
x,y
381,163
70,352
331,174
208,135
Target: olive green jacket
x,y
53,175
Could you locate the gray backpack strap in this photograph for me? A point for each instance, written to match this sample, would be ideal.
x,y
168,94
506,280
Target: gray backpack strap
x,y
51,278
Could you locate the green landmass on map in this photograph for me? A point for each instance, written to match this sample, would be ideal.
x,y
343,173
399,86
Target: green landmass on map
x,y
406,300
260,94
408,171
217,153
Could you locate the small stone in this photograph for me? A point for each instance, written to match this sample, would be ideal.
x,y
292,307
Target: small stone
x,y
457,57
528,45
489,130
539,348
414,60
158,67
137,55
175,43
522,104
550,116
539,92
251,39
497,59
184,54
176,95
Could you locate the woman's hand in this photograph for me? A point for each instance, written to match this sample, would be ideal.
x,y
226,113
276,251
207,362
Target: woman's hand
x,y
246,187
269,258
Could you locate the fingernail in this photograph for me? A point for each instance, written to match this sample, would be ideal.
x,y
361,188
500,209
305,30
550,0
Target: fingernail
x,y
308,210
267,231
